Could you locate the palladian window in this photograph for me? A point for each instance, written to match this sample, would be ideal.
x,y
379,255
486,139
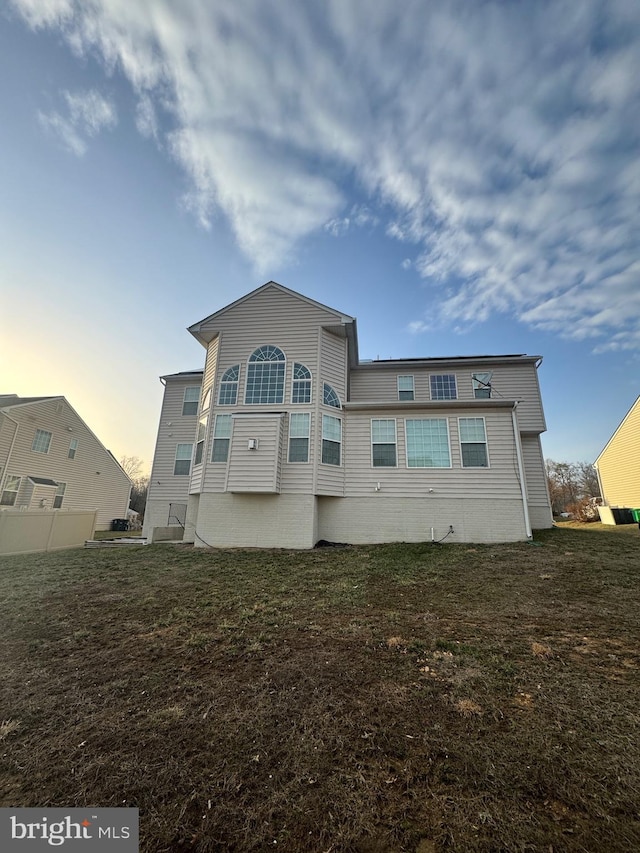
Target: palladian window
x,y
265,376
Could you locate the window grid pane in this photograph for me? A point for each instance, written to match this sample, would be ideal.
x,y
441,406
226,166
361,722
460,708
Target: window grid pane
x,y
443,387
298,449
221,438
329,396
57,501
41,441
228,394
331,438
473,443
10,492
405,388
265,383
73,446
428,443
182,464
472,429
299,425
190,400
474,455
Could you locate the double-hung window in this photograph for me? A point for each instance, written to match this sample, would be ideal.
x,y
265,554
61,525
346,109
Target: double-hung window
x,y
59,495
190,400
473,443
301,386
427,443
10,491
481,385
265,376
383,443
443,386
41,441
299,425
73,447
406,389
331,440
228,394
200,441
182,464
221,438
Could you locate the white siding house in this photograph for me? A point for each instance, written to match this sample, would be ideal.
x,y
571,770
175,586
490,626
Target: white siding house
x,y
293,439
50,459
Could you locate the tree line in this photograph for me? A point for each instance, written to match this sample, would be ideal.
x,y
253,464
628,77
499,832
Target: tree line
x,y
572,485
133,466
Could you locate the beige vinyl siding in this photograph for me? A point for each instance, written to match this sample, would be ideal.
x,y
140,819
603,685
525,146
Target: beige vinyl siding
x,y
255,470
333,356
210,367
175,428
276,318
510,381
536,478
499,480
619,463
298,477
94,478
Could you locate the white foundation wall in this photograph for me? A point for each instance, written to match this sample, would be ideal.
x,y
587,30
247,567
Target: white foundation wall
x,y
261,521
361,521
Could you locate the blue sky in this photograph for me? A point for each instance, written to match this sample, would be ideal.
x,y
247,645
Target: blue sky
x,y
462,177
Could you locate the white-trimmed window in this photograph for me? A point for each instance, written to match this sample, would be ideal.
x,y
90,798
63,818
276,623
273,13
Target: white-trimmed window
x,y
443,386
200,441
10,491
190,400
473,443
59,495
383,443
481,385
301,384
406,388
299,427
329,396
182,464
41,441
265,376
427,443
331,440
73,447
228,394
221,438
206,400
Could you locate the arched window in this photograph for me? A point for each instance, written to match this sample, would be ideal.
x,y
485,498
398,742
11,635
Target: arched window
x,y
228,395
329,397
301,387
265,376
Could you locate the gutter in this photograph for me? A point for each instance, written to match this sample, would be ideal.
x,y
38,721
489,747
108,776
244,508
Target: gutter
x,y
523,488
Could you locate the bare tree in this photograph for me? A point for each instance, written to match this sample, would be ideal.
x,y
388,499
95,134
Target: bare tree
x,y
132,466
571,487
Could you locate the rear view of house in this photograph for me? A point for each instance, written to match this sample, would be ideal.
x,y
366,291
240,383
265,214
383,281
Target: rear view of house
x,y
51,460
286,438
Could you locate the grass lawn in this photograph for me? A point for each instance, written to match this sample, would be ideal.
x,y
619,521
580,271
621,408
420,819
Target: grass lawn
x,y
391,698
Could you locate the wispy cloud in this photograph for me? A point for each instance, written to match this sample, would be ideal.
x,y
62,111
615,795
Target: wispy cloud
x,y
86,114
499,140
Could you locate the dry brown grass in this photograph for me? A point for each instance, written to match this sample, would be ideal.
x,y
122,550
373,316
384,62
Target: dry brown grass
x,y
399,698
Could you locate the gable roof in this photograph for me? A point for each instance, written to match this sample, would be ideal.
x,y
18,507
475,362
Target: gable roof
x,y
618,428
7,401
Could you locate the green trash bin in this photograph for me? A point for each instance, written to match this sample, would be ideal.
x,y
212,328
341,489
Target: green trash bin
x,y
636,515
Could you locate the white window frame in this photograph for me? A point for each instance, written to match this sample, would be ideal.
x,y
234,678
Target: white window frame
x,y
470,441
299,383
183,458
255,360
482,385
411,390
38,443
10,480
330,396
301,433
331,440
220,435
438,376
407,439
191,395
201,440
229,386
59,495
206,400
73,448
385,443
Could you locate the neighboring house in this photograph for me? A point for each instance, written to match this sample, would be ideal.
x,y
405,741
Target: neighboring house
x,y
50,459
618,465
286,437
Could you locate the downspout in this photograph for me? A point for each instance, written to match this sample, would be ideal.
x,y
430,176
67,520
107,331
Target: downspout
x,y
523,487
